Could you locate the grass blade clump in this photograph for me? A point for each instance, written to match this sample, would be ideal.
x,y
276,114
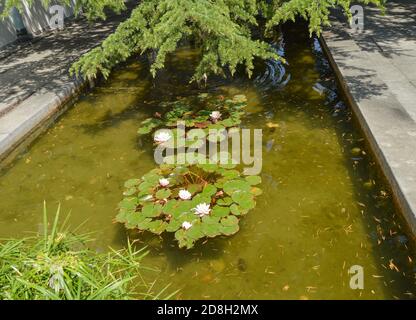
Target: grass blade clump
x,y
58,265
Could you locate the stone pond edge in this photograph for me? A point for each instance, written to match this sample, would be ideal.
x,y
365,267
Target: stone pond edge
x,y
400,197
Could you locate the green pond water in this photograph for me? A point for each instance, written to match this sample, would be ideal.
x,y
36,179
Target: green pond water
x,y
323,210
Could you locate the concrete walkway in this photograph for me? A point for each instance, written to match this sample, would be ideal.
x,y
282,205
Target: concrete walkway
x,y
378,72
34,77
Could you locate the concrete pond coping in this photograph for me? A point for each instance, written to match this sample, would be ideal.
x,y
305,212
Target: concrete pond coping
x,y
376,70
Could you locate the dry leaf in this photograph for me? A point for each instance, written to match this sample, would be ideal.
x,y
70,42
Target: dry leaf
x,y
392,266
272,125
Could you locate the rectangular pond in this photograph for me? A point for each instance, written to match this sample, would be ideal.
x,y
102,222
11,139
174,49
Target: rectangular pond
x,y
324,207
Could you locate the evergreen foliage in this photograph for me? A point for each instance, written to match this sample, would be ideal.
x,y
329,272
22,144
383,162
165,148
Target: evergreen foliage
x,y
223,29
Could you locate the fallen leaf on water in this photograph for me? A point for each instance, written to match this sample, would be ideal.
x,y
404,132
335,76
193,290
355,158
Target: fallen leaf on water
x,y
348,229
392,266
272,125
285,288
207,278
201,125
378,220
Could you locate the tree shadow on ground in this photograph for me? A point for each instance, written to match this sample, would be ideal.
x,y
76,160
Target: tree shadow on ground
x,y
392,36
43,64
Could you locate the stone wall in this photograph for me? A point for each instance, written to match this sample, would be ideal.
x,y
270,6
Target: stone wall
x,y
35,19
7,32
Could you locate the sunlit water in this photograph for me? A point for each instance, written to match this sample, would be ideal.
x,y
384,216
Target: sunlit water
x,y
323,209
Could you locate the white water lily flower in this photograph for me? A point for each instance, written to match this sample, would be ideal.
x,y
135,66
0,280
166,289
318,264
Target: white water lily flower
x,y
164,182
185,194
162,136
202,209
186,225
215,115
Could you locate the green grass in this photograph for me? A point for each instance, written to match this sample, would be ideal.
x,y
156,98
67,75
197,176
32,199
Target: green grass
x,y
57,264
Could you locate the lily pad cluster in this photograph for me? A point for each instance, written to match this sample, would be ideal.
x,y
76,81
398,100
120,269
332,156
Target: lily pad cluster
x,y
206,113
193,201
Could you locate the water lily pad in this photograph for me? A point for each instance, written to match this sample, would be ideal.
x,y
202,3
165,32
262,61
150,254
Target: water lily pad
x,y
146,186
157,226
129,192
148,125
143,224
229,122
235,209
169,206
183,240
229,174
211,226
220,211
201,198
253,180
247,204
226,201
236,185
209,190
181,208
132,183
241,196
152,177
195,232
256,191
128,203
151,210
173,225
229,225
208,167
163,193
122,215
194,188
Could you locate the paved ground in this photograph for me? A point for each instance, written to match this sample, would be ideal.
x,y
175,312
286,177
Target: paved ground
x,y
378,70
34,77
